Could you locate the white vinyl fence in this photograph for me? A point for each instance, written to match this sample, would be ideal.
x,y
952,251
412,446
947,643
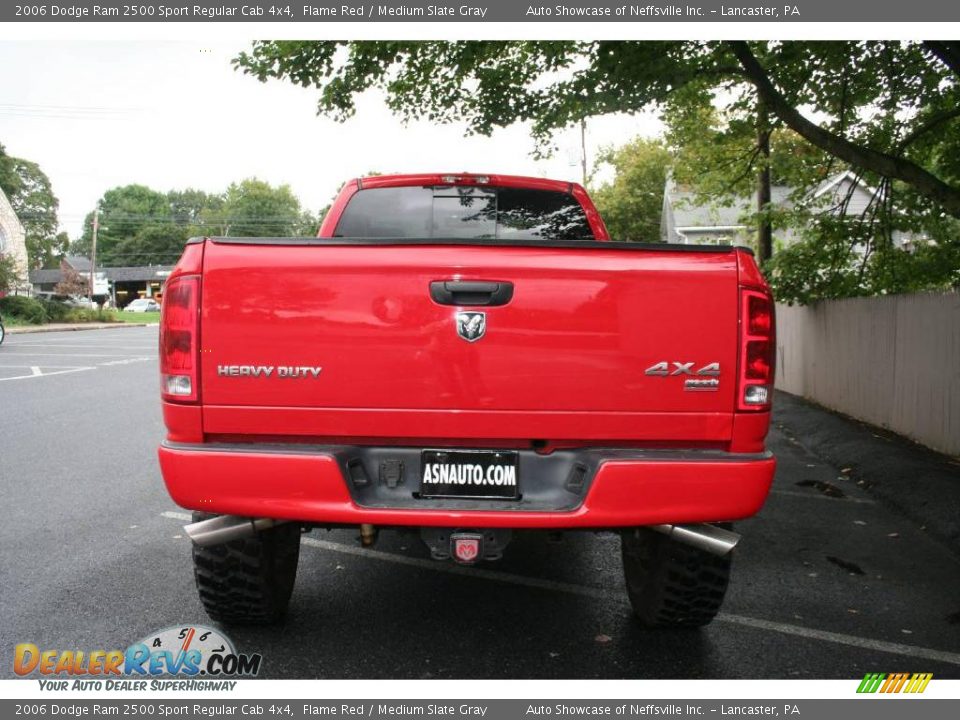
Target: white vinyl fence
x,y
891,361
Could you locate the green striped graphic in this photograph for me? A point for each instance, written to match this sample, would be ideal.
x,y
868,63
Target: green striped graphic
x,y
871,682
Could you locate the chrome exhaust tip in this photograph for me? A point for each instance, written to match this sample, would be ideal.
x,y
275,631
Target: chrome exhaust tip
x,y
225,528
709,538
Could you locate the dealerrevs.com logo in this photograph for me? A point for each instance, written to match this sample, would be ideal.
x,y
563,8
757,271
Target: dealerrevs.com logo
x,y
199,657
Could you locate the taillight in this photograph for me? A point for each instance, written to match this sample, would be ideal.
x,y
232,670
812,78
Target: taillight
x,y
757,350
180,339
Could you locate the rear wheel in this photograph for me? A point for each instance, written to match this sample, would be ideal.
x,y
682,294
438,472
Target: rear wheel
x,y
671,584
248,581
2,333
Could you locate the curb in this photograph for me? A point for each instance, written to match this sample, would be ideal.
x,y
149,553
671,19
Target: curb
x,y
53,327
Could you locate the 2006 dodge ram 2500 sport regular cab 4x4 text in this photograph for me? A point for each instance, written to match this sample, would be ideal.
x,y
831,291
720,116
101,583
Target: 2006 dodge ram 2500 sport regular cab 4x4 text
x,y
465,356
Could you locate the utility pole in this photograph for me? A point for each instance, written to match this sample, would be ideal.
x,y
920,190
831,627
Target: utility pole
x,y
93,250
765,230
583,149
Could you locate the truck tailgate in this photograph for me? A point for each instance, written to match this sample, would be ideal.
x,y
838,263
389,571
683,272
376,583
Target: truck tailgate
x,y
566,358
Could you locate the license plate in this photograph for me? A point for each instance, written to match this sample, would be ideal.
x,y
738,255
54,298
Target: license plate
x,y
478,474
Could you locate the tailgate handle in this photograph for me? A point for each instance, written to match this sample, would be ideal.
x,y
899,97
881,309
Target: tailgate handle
x,y
471,292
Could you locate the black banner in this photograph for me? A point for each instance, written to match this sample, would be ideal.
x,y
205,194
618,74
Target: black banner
x,y
328,11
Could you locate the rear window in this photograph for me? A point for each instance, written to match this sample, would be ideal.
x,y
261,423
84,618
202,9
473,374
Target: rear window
x,y
464,212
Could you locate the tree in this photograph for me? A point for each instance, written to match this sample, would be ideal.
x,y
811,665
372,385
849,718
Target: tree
x,y
72,282
158,244
631,204
888,108
124,212
143,226
187,207
825,266
307,224
9,180
253,208
36,206
10,278
31,196
726,157
889,111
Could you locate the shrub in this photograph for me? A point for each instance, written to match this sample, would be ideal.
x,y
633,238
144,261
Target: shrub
x,y
81,315
36,311
25,309
56,311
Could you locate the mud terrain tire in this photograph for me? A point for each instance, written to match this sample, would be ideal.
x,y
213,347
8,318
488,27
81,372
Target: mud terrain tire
x,y
671,584
249,581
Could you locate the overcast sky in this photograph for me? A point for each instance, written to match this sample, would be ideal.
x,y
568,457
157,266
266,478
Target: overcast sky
x,y
98,114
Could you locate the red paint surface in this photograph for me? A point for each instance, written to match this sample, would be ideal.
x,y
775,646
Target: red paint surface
x,y
563,362
311,488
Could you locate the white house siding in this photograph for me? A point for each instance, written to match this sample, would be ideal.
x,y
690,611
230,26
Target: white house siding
x,y
857,198
13,240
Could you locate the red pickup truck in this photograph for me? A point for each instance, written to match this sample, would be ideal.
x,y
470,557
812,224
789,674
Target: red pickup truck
x,y
467,356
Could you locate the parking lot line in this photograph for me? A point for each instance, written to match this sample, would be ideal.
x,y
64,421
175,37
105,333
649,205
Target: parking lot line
x,y
67,354
125,361
44,365
106,346
36,372
883,646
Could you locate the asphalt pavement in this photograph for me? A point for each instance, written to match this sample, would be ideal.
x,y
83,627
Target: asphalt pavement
x,y
831,579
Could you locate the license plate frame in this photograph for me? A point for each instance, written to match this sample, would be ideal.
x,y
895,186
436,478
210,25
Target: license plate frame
x,y
470,474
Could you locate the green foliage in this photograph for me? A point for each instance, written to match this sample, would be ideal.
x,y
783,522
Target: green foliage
x,y
152,245
9,180
716,153
142,226
56,312
124,212
31,196
36,206
9,274
888,110
36,311
887,107
187,207
842,258
25,309
85,315
253,207
631,205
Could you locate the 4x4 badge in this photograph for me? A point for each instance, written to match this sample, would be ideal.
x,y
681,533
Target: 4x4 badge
x,y
471,325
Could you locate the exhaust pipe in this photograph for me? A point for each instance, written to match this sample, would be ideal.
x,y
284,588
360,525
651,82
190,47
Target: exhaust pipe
x,y
709,538
224,528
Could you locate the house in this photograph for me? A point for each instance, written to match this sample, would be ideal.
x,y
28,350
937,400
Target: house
x,y
13,241
126,283
722,223
686,221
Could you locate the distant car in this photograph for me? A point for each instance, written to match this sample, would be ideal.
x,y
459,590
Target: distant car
x,y
71,300
80,301
143,305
